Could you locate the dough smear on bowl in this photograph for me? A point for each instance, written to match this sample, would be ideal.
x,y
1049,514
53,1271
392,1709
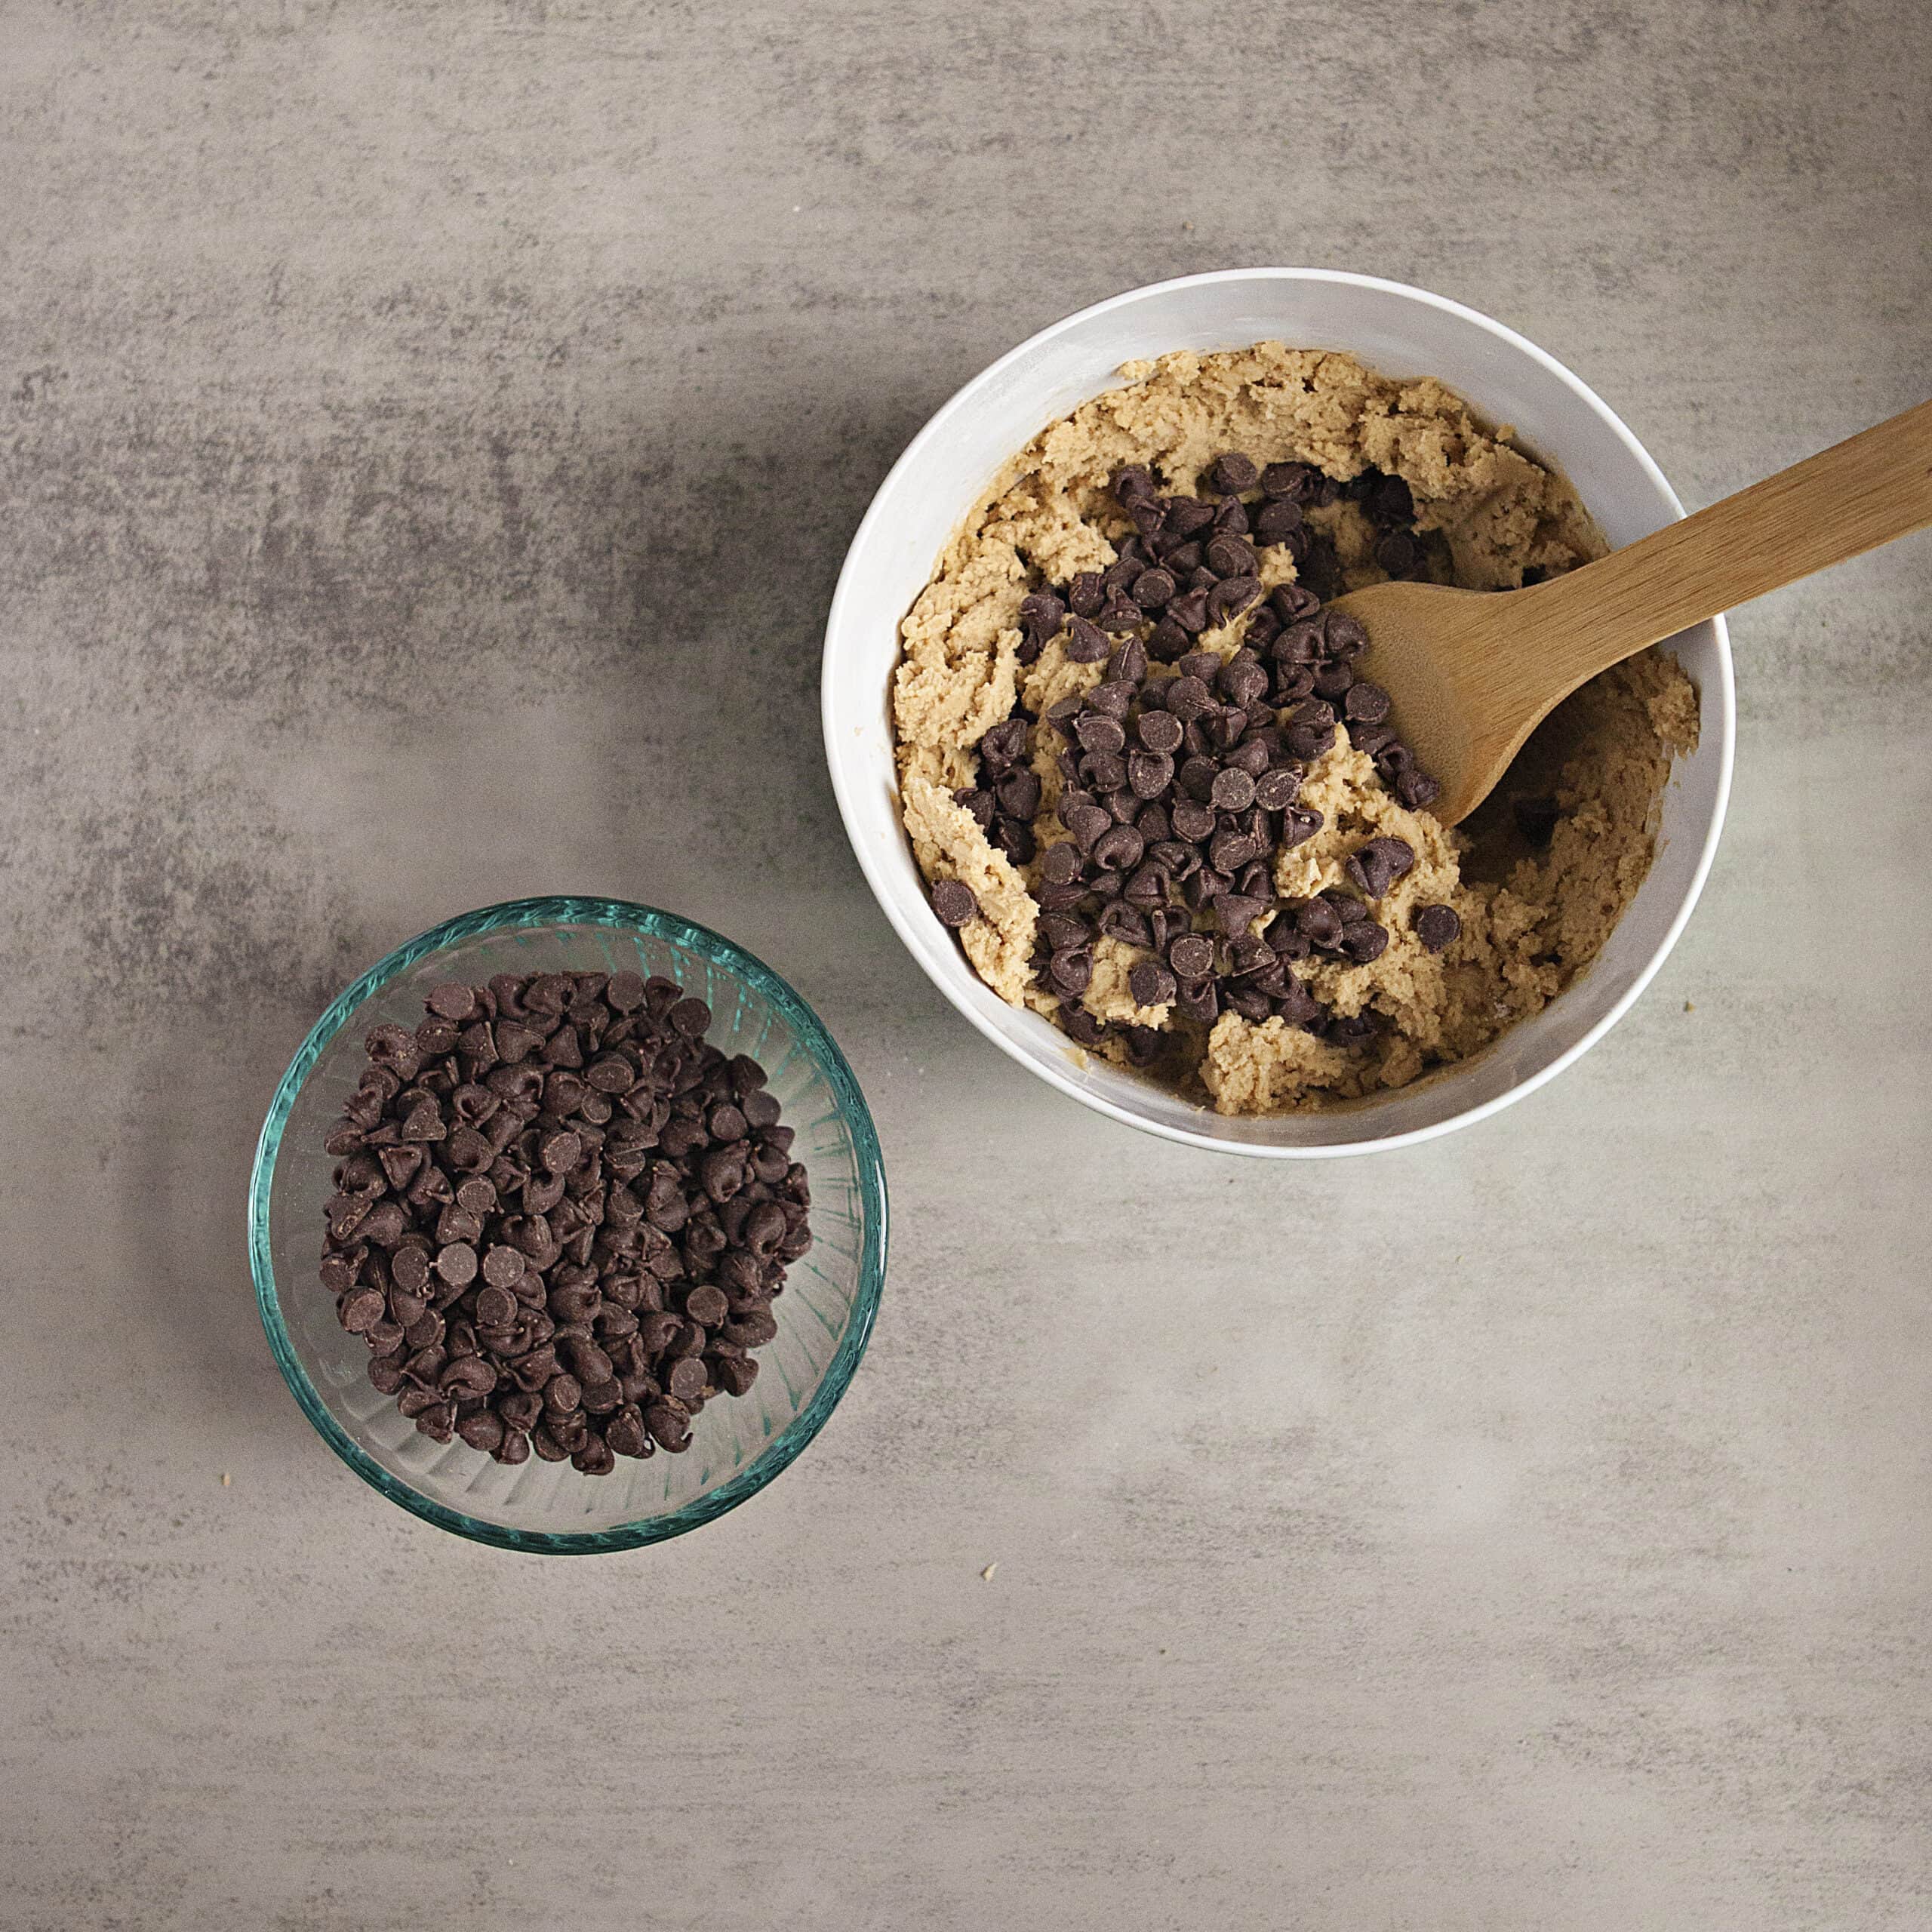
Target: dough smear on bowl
x,y
1134,613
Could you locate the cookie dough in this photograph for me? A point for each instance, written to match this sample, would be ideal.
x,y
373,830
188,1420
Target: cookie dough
x,y
1531,917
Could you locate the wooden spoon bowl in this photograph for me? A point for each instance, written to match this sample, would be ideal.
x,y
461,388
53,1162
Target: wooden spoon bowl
x,y
1472,673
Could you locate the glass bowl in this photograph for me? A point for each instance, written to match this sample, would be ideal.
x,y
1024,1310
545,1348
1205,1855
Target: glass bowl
x,y
824,1315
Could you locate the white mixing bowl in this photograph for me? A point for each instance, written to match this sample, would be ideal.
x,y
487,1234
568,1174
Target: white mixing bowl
x,y
1400,332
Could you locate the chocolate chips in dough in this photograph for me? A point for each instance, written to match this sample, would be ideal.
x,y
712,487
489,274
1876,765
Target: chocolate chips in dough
x,y
1129,727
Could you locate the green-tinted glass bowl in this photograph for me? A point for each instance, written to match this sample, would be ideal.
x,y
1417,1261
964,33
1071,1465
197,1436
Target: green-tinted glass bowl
x,y
824,1315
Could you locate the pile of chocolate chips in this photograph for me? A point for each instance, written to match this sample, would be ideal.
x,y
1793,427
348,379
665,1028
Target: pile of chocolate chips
x,y
1192,563
561,1216
1179,791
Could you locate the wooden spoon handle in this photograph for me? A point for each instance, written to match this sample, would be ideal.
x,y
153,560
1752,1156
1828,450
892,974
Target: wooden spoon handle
x,y
1859,493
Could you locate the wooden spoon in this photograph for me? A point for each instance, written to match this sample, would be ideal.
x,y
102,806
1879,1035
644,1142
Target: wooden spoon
x,y
1473,673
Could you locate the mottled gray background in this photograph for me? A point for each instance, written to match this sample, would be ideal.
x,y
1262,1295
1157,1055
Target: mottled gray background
x,y
428,434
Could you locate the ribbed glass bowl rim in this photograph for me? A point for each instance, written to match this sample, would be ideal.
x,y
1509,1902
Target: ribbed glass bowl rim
x,y
529,914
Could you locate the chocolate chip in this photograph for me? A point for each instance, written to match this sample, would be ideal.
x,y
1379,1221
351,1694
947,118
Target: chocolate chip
x,y
1287,938
1333,681
1389,502
953,903
1436,926
1071,971
1186,515
1200,1001
1087,821
1263,627
1159,731
1398,553
437,1419
1416,789
1098,733
1153,588
999,748
691,1018
1321,570
1151,983
1227,601
1019,793
1188,698
1230,556
1275,522
1296,481
1292,684
1251,756
1342,636
1085,596
1118,848
1167,640
1150,773
733,1374
1060,930
1192,819
1103,772
1368,703
1377,865
1082,1028
1059,866
1243,679
1232,847
1275,789
1086,642
1189,611
1236,913
1251,1002
1310,730
1320,922
1042,614
452,1001
361,1309
1125,922
624,1433
1248,954
1224,726
1233,790
1300,642
1231,473
457,1264
1191,956
1354,1030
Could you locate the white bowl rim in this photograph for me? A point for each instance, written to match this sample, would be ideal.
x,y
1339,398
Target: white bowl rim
x,y
844,788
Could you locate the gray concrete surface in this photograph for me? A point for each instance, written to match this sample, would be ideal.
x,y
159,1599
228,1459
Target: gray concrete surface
x,y
430,436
